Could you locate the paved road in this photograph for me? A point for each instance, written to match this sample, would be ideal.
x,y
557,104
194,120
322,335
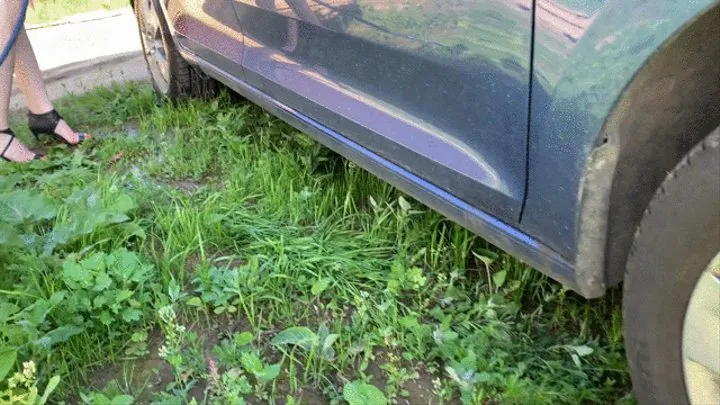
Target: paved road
x,y
85,52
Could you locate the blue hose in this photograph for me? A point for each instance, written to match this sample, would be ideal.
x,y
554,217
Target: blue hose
x,y
15,32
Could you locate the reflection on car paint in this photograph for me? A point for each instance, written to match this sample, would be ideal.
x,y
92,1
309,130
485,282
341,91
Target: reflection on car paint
x,y
448,81
211,24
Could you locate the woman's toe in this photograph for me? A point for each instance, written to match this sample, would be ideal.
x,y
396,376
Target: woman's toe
x,y
64,130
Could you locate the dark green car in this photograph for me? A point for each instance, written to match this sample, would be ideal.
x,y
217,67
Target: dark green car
x,y
579,135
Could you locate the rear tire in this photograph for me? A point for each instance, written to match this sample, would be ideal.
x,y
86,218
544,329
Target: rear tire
x,y
172,77
677,238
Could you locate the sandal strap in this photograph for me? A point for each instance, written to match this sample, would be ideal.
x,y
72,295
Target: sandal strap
x,y
49,119
12,138
50,114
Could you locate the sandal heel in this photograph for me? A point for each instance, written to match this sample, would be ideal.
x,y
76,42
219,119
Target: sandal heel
x,y
45,124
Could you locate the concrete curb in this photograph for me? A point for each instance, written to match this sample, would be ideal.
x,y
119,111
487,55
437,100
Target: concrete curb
x,y
81,18
79,68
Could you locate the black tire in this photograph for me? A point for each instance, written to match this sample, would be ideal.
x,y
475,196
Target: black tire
x,y
180,80
677,238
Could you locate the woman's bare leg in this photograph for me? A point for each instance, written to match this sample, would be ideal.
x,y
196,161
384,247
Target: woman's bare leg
x,y
9,11
32,85
29,77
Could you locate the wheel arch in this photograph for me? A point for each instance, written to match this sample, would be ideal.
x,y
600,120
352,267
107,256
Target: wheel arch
x,y
670,105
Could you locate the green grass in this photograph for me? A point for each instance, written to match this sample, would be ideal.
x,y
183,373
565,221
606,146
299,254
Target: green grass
x,y
46,11
254,264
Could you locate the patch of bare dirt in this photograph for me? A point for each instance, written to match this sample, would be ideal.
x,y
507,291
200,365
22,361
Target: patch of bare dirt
x,y
192,262
221,259
149,375
188,186
419,389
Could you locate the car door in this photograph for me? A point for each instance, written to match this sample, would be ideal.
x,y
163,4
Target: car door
x,y
438,87
209,29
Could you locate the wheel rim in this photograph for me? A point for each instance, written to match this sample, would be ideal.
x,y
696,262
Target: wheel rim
x,y
701,338
154,46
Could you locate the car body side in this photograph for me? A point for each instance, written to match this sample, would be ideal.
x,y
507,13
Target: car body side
x,y
618,109
618,92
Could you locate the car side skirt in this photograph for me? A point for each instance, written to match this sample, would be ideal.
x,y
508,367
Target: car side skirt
x,y
500,234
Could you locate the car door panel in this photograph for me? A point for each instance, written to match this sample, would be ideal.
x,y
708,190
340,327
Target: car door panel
x,y
208,29
439,88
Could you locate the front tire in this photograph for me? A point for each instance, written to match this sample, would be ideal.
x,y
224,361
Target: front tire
x,y
673,350
172,77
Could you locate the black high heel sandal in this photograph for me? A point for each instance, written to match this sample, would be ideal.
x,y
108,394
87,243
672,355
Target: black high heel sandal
x,y
7,147
45,124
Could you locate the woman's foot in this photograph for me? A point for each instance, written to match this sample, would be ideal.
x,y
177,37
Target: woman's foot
x,y
64,130
13,150
51,123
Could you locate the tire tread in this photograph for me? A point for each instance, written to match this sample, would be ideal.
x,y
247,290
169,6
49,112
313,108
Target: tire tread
x,y
646,278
